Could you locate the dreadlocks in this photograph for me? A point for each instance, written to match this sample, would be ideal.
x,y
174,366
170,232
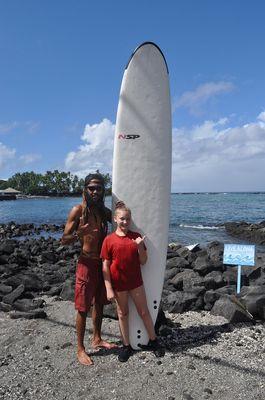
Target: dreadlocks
x,y
88,201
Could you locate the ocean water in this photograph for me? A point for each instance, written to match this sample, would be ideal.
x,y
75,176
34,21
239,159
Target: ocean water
x,y
194,217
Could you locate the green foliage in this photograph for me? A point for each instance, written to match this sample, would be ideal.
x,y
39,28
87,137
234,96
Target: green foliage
x,y
52,183
3,184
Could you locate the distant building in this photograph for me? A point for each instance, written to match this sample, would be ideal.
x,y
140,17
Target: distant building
x,y
9,194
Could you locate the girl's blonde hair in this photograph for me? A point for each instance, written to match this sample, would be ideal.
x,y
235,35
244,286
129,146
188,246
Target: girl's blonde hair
x,y
120,205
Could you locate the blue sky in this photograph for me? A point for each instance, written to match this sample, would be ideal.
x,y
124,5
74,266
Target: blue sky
x,y
61,67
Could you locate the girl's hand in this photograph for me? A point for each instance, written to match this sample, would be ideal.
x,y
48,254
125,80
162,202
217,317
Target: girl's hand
x,y
110,294
139,241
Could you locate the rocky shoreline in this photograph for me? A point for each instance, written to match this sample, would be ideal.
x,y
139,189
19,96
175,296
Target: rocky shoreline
x,y
214,348
195,278
254,233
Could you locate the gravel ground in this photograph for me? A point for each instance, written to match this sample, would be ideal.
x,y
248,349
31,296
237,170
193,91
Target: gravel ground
x,y
205,359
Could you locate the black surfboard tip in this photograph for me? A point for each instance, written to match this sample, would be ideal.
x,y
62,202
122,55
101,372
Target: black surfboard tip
x,y
144,44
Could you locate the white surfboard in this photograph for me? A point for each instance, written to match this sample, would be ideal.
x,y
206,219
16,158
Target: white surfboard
x,y
142,167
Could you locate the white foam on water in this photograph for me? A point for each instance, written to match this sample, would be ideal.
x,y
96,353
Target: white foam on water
x,y
202,227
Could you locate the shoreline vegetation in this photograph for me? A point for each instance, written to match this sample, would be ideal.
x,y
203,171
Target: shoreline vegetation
x,y
51,184
64,184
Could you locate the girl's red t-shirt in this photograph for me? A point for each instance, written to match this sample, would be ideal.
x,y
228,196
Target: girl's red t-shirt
x,y
125,268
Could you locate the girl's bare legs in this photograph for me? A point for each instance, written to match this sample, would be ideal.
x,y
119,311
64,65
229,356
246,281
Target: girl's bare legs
x,y
123,312
139,299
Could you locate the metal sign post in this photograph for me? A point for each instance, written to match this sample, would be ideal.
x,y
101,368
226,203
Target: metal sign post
x,y
238,286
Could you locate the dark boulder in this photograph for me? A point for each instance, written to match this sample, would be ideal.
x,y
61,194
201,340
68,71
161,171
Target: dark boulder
x,y
34,314
54,291
183,252
210,298
14,295
8,247
177,262
5,307
28,304
170,273
215,252
30,280
253,298
68,290
186,301
214,280
192,281
227,307
4,259
202,265
254,233
187,274
48,256
5,289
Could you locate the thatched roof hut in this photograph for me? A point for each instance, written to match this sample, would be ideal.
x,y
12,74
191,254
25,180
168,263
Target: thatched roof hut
x,y
10,191
9,194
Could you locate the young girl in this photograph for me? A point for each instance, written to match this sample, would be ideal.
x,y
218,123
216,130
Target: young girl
x,y
123,252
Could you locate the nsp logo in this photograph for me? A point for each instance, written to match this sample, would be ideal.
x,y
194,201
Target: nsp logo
x,y
124,136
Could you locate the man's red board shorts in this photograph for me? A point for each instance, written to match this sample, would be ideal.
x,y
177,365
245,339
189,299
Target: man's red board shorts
x,y
89,284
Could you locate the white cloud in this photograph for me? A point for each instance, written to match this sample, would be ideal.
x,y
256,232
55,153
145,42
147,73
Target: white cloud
x,y
96,152
28,126
10,161
261,116
32,126
30,158
9,126
208,129
194,100
210,157
6,154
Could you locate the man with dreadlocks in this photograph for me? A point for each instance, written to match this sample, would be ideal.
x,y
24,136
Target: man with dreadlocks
x,y
87,222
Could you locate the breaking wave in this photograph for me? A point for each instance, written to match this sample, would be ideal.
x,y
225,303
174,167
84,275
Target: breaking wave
x,y
201,227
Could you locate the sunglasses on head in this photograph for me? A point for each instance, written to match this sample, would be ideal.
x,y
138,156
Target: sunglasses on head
x,y
92,188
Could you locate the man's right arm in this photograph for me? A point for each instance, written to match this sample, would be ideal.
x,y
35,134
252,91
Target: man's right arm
x,y
70,231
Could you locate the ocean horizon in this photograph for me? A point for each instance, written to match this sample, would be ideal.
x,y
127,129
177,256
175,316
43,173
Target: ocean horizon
x,y
195,217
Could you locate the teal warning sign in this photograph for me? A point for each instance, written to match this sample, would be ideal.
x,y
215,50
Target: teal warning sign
x,y
239,254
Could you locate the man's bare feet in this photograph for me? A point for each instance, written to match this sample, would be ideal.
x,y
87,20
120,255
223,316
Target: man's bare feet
x,y
84,358
102,344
